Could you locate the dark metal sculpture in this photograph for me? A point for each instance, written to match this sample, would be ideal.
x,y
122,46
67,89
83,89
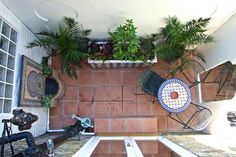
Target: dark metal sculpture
x,y
24,121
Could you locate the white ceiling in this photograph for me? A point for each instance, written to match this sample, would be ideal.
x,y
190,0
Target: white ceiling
x,y
104,15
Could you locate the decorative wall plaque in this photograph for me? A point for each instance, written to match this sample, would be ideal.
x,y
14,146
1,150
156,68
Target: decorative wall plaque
x,y
32,83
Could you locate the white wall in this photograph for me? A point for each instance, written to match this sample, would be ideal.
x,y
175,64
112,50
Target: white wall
x,y
224,49
24,36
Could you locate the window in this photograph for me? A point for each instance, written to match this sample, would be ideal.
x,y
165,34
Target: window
x,y
8,39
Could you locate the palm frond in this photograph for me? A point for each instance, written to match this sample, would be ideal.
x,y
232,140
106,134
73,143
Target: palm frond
x,y
42,42
65,42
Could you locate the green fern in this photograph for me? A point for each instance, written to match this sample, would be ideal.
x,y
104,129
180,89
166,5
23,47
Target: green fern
x,y
176,37
65,43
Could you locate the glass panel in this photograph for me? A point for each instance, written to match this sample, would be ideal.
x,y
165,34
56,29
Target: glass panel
x,y
13,35
3,58
4,43
7,106
153,148
110,148
5,29
1,89
2,74
0,24
1,105
11,62
8,91
9,76
12,49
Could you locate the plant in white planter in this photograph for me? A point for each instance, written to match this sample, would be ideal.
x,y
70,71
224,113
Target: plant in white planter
x,y
128,49
125,42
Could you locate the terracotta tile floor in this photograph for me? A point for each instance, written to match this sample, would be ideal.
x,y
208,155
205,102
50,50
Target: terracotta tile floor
x,y
113,99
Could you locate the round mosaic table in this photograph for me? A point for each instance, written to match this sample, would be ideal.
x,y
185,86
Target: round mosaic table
x,y
174,95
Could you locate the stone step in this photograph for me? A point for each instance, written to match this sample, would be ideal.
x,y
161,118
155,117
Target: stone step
x,y
125,125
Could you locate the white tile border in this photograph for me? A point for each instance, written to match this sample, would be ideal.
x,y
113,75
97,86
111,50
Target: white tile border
x,y
131,146
88,148
175,148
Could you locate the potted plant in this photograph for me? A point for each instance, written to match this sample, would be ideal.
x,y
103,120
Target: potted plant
x,y
176,42
69,43
46,101
125,42
127,49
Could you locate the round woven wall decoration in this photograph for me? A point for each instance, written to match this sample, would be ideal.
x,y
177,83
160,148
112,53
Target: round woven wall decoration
x,y
34,84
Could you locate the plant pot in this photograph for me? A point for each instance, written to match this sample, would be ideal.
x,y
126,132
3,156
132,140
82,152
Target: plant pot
x,y
118,63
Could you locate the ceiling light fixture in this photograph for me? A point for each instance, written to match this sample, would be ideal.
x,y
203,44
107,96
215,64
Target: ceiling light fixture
x,y
44,4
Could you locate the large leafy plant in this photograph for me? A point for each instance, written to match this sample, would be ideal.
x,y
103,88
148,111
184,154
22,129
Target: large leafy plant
x,y
65,43
125,41
176,42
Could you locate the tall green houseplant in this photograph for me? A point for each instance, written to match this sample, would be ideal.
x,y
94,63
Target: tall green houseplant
x,y
175,40
66,43
125,41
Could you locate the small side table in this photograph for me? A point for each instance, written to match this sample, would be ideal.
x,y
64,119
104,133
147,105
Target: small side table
x,y
174,95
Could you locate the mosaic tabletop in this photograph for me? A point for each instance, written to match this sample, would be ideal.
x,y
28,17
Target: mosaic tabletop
x,y
174,95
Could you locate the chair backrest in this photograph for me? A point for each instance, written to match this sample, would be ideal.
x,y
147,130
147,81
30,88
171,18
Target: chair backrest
x,y
196,117
150,82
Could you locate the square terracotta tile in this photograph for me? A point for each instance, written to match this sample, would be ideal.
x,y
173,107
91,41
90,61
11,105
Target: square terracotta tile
x,y
140,91
114,93
158,109
114,77
117,125
100,109
71,93
115,109
150,125
101,93
149,148
129,93
162,149
67,80
55,123
130,109
117,148
133,124
85,78
145,109
56,111
101,125
145,98
68,121
173,125
86,93
85,109
103,148
162,123
100,78
129,78
70,108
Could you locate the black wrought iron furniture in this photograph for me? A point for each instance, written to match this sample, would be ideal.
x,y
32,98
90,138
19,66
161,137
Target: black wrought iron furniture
x,y
23,120
175,97
189,74
150,82
225,78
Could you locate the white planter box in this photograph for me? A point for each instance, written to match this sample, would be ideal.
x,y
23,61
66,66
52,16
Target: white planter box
x,y
118,63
